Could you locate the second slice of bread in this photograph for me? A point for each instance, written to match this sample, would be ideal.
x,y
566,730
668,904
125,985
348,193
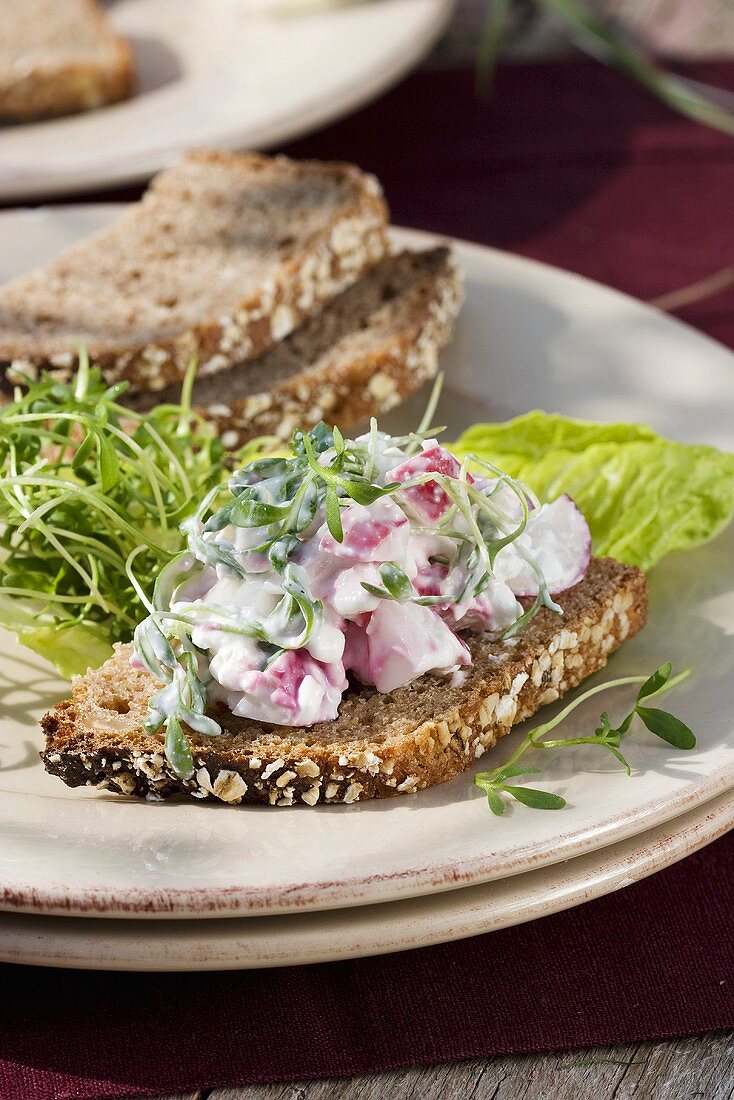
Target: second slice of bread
x,y
224,256
362,354
58,57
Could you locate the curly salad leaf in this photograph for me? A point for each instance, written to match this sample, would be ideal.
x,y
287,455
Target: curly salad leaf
x,y
643,496
92,496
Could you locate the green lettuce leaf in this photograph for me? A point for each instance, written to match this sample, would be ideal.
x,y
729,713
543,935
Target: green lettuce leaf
x,y
643,496
71,650
72,647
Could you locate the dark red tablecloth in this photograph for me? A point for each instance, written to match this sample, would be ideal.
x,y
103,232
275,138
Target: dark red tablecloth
x,y
654,960
570,164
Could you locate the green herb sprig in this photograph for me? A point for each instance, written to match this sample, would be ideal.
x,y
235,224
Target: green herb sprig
x,y
661,723
593,34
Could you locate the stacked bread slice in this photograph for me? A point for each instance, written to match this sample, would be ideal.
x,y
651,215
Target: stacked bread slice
x,y
274,274
366,351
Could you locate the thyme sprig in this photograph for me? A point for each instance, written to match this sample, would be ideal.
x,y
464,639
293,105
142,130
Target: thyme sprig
x,y
606,736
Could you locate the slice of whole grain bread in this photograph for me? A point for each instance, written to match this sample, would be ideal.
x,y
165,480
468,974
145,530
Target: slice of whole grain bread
x,y
362,354
224,255
58,57
379,745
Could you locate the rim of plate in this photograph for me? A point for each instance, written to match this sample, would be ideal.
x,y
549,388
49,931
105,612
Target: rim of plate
x,y
231,902
110,902
301,939
320,109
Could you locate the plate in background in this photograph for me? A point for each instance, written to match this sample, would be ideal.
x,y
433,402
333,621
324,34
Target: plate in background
x,y
232,74
529,335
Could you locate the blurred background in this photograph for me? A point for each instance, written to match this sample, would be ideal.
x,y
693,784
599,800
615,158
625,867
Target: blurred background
x,y
671,28
592,134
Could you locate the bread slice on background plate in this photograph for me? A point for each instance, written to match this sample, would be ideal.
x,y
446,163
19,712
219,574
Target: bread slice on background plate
x,y
364,353
58,57
224,255
379,745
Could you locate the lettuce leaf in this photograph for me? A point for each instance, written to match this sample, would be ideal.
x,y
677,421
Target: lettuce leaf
x,y
643,496
71,650
72,647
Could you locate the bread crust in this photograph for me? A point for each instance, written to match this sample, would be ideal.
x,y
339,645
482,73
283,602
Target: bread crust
x,y
51,88
351,391
308,276
362,355
379,746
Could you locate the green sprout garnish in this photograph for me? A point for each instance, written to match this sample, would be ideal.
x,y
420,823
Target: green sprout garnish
x,y
660,722
89,489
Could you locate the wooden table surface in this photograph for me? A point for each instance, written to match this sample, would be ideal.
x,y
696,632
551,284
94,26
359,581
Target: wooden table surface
x,y
689,1069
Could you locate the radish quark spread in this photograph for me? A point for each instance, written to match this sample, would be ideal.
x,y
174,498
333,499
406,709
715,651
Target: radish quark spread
x,y
366,559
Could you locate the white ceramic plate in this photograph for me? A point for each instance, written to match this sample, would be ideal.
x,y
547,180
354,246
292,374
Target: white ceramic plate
x,y
529,336
229,74
291,940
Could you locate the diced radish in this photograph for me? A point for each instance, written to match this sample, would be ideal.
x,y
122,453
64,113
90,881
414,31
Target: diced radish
x,y
357,649
493,609
557,536
402,642
348,596
294,690
428,501
430,580
379,532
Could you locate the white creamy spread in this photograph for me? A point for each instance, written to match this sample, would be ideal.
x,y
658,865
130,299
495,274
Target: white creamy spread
x,y
278,614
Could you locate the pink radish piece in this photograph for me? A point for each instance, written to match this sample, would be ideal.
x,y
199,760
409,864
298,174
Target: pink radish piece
x,y
557,537
400,643
379,532
428,501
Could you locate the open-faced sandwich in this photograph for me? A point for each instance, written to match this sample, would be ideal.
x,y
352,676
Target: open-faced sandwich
x,y
352,619
334,619
360,619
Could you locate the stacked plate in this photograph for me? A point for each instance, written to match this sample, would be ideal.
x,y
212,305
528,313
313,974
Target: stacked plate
x,y
93,880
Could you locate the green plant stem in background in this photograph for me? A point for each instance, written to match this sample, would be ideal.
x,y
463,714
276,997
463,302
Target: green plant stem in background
x,y
660,722
489,44
592,34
